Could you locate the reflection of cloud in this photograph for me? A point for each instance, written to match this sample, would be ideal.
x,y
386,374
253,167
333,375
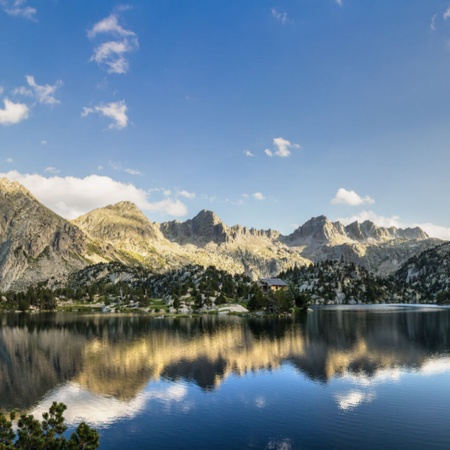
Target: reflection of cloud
x,y
434,366
352,399
260,402
101,411
282,444
380,376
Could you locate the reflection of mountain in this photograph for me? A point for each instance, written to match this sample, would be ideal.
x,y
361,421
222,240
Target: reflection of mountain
x,y
117,356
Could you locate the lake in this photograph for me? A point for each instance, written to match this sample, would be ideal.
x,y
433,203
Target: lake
x,y
339,377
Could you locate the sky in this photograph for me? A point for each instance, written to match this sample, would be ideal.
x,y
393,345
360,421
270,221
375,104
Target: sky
x,y
266,112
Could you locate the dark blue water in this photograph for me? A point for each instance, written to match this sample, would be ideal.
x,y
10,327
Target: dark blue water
x,y
354,378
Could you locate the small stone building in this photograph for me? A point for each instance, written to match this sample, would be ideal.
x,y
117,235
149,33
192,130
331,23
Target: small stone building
x,y
271,285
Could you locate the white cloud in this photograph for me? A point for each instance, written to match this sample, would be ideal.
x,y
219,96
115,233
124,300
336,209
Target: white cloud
x,y
340,2
52,170
13,113
18,8
280,16
119,168
117,111
112,53
258,196
71,196
107,25
44,142
436,231
187,194
283,148
446,14
43,93
248,153
351,198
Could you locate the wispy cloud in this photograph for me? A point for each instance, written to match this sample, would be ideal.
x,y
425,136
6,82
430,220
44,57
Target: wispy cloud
x,y
187,194
116,111
431,229
13,113
258,196
433,23
283,148
280,16
9,160
112,53
42,93
340,2
446,14
239,202
248,153
351,198
2,89
71,196
52,170
18,8
118,166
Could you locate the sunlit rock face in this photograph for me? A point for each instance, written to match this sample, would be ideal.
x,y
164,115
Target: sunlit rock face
x,y
116,357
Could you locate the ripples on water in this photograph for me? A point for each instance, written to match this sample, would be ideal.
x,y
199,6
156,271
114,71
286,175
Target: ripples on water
x,y
364,377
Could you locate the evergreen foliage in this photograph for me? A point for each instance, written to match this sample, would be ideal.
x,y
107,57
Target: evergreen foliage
x,y
47,434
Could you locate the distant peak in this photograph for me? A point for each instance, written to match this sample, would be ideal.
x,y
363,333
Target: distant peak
x,y
207,215
125,205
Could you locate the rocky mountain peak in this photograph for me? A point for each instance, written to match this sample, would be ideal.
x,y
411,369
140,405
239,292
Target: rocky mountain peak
x,y
318,230
13,187
368,231
206,217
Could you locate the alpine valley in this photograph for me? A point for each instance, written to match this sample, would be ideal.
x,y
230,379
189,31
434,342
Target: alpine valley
x,y
38,245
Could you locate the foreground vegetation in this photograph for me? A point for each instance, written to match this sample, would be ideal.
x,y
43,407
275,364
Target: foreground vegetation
x,y
33,434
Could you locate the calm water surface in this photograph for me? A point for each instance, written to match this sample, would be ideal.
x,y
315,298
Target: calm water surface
x,y
371,378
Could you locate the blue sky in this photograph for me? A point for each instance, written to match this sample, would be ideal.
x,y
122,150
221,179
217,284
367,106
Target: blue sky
x,y
267,113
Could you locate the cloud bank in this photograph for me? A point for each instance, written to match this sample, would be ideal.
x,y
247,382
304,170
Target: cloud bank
x,y
71,197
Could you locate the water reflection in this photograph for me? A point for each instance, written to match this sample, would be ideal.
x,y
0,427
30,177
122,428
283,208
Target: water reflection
x,y
105,363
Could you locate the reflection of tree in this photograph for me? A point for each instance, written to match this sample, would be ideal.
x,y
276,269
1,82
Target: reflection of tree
x,y
119,355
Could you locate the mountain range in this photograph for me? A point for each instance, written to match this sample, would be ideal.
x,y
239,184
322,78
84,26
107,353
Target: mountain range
x,y
36,244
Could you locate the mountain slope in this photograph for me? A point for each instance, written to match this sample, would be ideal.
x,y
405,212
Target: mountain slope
x,y
35,243
429,274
